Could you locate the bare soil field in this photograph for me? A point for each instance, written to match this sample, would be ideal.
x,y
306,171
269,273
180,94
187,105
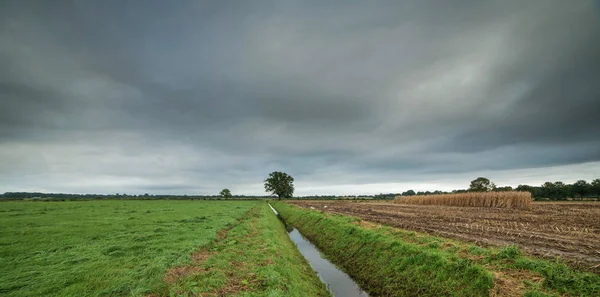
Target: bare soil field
x,y
570,230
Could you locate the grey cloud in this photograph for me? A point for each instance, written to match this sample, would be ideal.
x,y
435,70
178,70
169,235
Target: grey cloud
x,y
192,96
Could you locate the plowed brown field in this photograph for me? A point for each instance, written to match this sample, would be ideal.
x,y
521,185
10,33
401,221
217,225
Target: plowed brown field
x,y
568,230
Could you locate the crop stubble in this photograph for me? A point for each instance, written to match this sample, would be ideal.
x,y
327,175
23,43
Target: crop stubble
x,y
568,230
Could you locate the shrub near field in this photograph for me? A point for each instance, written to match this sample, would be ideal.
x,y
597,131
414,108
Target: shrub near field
x,y
512,199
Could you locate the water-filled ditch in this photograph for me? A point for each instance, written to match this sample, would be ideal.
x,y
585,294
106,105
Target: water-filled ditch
x,y
338,282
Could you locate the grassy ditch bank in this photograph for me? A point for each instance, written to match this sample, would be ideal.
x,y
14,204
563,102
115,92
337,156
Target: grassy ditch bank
x,y
387,261
252,257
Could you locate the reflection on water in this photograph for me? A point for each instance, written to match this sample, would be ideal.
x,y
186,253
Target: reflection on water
x,y
338,282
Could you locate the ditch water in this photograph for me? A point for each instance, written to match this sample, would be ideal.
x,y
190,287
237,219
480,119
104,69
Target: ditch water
x,y
338,282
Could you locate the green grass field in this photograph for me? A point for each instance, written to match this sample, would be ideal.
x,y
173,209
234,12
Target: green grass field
x,y
130,248
253,258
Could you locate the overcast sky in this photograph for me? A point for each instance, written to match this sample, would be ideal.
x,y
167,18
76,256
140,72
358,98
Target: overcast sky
x,y
348,97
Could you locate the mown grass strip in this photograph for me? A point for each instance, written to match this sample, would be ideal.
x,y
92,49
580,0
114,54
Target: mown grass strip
x,y
388,261
254,257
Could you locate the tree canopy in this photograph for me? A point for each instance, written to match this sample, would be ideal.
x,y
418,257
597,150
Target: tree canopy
x,y
409,193
280,184
580,188
595,186
482,184
225,193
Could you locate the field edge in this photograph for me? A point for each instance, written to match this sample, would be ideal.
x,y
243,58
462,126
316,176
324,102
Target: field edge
x,y
377,257
253,257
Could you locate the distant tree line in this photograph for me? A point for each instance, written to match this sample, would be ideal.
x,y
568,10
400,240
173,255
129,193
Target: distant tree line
x,y
63,196
550,190
223,195
282,186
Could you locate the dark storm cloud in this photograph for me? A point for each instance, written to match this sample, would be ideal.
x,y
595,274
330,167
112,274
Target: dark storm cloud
x,y
561,98
194,96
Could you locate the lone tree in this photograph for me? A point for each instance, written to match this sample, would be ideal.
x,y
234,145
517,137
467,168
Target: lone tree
x,y
225,193
482,184
280,184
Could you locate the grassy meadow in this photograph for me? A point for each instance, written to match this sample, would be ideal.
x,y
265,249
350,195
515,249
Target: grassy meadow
x,y
120,248
253,258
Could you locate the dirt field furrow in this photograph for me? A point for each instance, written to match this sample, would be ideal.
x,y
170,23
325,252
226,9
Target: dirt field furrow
x,y
568,230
